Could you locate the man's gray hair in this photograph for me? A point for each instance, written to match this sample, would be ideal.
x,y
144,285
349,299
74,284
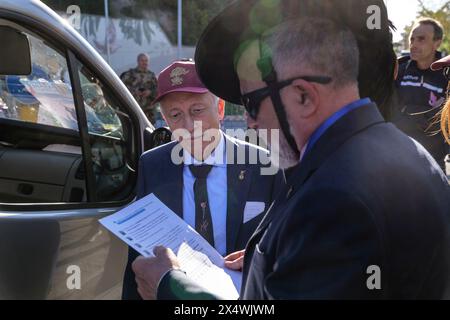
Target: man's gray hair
x,y
316,45
437,27
141,55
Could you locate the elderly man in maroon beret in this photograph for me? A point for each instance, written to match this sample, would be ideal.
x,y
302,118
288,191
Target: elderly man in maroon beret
x,y
201,177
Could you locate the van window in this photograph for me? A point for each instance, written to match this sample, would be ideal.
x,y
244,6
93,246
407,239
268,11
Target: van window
x,y
111,139
40,146
41,152
45,96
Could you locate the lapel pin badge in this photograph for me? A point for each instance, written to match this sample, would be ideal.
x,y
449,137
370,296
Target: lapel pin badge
x,y
242,175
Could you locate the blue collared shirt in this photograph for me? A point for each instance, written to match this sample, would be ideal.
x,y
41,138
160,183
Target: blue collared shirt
x,y
217,193
332,120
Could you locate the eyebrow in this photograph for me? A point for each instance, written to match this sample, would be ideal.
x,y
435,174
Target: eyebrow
x,y
172,109
168,109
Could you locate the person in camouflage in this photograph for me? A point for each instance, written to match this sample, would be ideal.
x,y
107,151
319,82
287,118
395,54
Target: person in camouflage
x,y
142,84
101,117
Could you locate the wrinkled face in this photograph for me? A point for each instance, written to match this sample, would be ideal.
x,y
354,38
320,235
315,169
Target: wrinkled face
x,y
194,114
422,43
250,80
143,63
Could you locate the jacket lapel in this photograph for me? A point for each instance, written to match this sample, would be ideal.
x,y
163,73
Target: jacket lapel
x,y
239,178
170,190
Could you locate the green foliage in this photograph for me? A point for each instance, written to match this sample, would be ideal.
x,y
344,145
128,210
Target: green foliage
x,y
195,16
233,109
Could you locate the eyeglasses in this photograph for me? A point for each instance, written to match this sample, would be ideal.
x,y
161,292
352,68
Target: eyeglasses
x,y
252,100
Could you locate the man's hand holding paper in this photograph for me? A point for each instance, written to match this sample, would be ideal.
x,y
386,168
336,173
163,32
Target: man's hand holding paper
x,y
150,271
147,224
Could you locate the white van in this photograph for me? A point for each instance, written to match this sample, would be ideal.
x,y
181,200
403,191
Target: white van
x,y
70,138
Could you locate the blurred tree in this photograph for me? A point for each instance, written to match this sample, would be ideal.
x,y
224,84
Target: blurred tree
x,y
233,109
405,35
196,15
441,14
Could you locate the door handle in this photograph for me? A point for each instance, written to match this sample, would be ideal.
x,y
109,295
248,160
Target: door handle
x,y
25,189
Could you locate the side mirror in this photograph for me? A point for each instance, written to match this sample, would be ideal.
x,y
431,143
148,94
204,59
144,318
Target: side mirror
x,y
15,55
156,138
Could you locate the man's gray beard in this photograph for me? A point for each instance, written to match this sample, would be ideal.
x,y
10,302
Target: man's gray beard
x,y
287,157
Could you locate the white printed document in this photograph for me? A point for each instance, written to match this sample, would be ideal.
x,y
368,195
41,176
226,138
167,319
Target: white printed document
x,y
148,223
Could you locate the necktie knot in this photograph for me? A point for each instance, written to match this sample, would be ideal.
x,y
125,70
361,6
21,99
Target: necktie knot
x,y
200,172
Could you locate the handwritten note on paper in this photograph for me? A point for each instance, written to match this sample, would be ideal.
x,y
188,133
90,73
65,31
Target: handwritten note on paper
x,y
148,223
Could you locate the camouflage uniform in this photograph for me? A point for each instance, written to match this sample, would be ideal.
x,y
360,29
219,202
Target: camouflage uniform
x,y
136,80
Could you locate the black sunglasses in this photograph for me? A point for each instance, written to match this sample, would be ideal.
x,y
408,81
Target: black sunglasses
x,y
252,100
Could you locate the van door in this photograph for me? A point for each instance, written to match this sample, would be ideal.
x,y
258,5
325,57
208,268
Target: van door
x,y
69,149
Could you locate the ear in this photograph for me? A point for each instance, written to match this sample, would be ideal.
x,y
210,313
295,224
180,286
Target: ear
x,y
221,106
306,97
437,44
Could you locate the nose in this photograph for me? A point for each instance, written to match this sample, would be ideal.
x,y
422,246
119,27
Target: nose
x,y
189,124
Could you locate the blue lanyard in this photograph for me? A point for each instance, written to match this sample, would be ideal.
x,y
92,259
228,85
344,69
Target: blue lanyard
x,y
333,119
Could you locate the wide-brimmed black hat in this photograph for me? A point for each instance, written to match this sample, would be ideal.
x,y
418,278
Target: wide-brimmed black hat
x,y
248,19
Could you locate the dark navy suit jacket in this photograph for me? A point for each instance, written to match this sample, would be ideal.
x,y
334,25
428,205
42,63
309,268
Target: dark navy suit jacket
x,y
365,201
159,175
